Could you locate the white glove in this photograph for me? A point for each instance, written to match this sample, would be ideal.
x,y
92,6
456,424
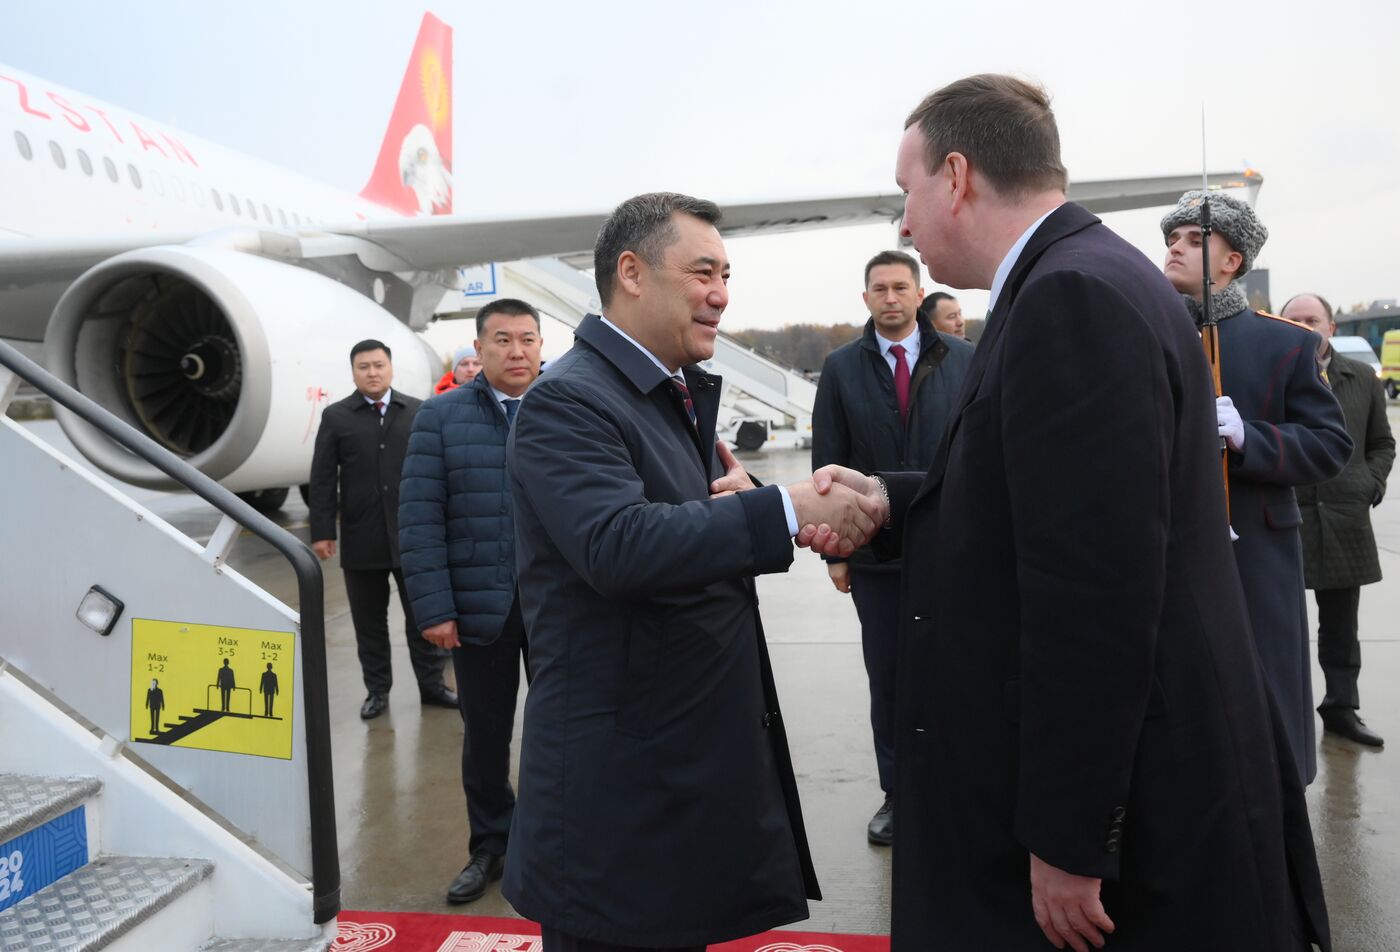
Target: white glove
x,y
1230,422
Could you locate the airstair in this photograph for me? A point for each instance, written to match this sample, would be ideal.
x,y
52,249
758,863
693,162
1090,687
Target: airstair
x,y
148,800
755,388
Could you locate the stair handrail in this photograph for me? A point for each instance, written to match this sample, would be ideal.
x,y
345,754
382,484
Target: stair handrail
x,y
325,852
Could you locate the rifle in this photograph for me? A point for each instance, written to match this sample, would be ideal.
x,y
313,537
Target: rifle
x,y
1210,323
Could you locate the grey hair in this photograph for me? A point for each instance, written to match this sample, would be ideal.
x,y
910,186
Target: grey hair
x,y
644,226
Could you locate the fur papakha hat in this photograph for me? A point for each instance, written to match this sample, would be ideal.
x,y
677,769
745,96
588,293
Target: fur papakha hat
x,y
1230,216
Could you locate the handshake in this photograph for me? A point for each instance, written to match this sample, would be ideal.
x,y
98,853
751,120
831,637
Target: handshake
x,y
838,510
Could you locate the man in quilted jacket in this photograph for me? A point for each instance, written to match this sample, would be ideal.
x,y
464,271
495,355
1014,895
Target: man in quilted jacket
x,y
457,538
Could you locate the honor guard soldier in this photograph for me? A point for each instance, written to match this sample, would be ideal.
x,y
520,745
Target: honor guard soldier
x,y
1282,429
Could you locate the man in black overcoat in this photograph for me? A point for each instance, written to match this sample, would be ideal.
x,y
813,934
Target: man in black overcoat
x,y
657,804
1283,429
1339,545
355,471
1085,738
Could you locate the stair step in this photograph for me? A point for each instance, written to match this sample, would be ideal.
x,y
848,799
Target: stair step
x,y
266,945
27,802
103,900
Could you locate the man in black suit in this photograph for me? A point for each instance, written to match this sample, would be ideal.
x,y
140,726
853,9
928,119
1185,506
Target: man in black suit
x,y
657,804
355,471
882,404
1085,740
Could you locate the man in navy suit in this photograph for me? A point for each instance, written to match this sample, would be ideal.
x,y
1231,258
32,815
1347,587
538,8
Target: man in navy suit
x,y
658,805
1084,738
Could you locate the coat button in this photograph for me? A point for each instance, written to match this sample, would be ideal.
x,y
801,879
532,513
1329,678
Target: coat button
x,y
1111,847
1119,813
767,720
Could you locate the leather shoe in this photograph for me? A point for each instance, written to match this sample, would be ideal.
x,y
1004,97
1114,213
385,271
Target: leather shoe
x,y
470,883
374,705
881,828
1346,723
439,696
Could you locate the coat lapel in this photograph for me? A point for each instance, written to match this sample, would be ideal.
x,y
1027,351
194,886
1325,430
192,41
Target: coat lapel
x,y
704,393
1064,221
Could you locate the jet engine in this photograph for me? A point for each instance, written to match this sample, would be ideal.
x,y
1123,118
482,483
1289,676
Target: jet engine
x,y
225,358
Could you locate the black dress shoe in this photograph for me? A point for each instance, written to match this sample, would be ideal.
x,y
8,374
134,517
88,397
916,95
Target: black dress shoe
x,y
439,696
374,705
471,882
1346,723
881,828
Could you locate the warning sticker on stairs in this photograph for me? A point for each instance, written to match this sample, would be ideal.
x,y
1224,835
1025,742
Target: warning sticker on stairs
x,y
213,688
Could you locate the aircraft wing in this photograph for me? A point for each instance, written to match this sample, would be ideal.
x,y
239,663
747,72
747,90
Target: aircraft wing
x,y
444,241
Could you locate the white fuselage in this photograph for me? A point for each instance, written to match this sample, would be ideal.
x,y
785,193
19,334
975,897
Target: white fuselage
x,y
74,166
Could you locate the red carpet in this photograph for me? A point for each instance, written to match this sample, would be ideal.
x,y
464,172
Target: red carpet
x,y
430,932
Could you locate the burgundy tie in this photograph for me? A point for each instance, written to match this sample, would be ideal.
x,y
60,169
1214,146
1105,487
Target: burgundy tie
x,y
901,381
379,407
684,392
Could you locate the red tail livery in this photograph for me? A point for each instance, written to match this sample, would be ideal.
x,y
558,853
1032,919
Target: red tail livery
x,y
413,173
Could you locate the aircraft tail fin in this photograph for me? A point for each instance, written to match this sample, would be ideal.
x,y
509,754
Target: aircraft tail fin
x,y
413,173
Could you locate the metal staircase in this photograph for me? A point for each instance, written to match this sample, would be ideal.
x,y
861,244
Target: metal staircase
x,y
187,839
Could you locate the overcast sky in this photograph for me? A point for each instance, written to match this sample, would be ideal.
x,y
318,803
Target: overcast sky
x,y
570,107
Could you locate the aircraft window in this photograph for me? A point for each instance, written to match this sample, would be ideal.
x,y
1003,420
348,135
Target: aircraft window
x,y
85,162
282,217
197,194
296,218
59,159
157,183
178,188
252,210
135,175
22,143
267,213
218,200
233,200
111,168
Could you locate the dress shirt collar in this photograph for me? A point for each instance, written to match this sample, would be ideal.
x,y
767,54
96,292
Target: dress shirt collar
x,y
1009,262
388,395
650,356
910,344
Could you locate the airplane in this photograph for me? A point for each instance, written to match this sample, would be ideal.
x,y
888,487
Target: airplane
x,y
208,298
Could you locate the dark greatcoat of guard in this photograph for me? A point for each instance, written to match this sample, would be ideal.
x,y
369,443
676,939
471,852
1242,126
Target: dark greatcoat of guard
x,y
1088,691
657,803
1294,436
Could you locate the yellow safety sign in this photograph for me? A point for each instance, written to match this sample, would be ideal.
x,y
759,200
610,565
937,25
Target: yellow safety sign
x,y
214,688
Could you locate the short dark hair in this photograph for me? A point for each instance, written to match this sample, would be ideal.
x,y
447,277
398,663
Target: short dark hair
x,y
892,257
1003,126
930,304
511,306
367,345
643,225
1331,315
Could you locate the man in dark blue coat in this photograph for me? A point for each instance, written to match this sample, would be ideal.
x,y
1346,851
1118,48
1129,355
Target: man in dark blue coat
x,y
1085,743
658,806
457,539
1283,428
883,403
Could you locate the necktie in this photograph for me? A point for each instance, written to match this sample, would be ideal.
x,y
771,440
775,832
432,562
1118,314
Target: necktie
x,y
684,393
901,381
510,407
379,409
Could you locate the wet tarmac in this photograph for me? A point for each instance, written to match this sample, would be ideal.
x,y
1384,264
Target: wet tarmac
x,y
401,815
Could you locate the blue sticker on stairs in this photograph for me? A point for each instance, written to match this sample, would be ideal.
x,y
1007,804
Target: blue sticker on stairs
x,y
44,855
